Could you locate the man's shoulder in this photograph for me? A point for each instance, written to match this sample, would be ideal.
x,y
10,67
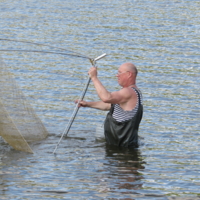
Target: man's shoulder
x,y
128,92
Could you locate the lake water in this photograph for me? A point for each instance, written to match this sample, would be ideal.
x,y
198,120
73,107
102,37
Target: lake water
x,y
162,38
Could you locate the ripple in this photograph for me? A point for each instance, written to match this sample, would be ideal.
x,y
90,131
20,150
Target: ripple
x,y
162,39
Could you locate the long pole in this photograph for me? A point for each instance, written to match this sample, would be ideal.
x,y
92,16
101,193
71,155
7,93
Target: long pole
x,y
93,62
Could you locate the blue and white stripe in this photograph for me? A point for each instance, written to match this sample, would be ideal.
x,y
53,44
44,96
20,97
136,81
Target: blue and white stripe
x,y
121,115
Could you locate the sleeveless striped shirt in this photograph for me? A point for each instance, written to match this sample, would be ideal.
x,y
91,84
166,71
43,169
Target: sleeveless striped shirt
x,y
121,115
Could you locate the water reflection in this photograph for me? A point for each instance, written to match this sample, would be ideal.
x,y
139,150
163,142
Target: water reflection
x,y
123,165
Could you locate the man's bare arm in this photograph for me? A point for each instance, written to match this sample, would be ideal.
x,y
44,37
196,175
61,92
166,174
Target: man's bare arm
x,y
100,105
118,97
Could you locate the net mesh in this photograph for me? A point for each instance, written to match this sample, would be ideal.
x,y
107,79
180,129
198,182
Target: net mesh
x,y
19,125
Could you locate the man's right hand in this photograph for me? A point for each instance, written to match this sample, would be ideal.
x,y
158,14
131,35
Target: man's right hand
x,y
81,103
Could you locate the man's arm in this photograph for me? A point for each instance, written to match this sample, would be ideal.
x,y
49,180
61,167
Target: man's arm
x,y
100,105
118,97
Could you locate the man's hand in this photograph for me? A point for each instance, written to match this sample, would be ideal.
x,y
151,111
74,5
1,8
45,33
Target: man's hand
x,y
93,72
81,103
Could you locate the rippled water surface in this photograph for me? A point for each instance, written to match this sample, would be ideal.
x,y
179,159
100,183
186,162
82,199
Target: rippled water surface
x,y
162,38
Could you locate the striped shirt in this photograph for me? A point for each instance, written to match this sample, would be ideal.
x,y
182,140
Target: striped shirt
x,y
121,115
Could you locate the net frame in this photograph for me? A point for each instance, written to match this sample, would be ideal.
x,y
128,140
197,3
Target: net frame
x,y
61,51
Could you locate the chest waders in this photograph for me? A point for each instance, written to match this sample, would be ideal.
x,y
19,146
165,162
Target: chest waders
x,y
123,133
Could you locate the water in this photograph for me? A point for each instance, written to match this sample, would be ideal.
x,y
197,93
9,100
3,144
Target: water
x,y
162,39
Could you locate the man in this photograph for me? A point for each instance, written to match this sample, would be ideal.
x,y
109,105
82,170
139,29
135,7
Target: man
x,y
125,106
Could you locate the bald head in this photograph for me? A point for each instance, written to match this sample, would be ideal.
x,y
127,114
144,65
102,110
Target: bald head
x,y
130,67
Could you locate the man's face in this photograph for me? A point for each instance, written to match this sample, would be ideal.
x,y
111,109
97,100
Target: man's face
x,y
122,75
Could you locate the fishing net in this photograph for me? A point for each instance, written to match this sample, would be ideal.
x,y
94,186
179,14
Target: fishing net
x,y
19,125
